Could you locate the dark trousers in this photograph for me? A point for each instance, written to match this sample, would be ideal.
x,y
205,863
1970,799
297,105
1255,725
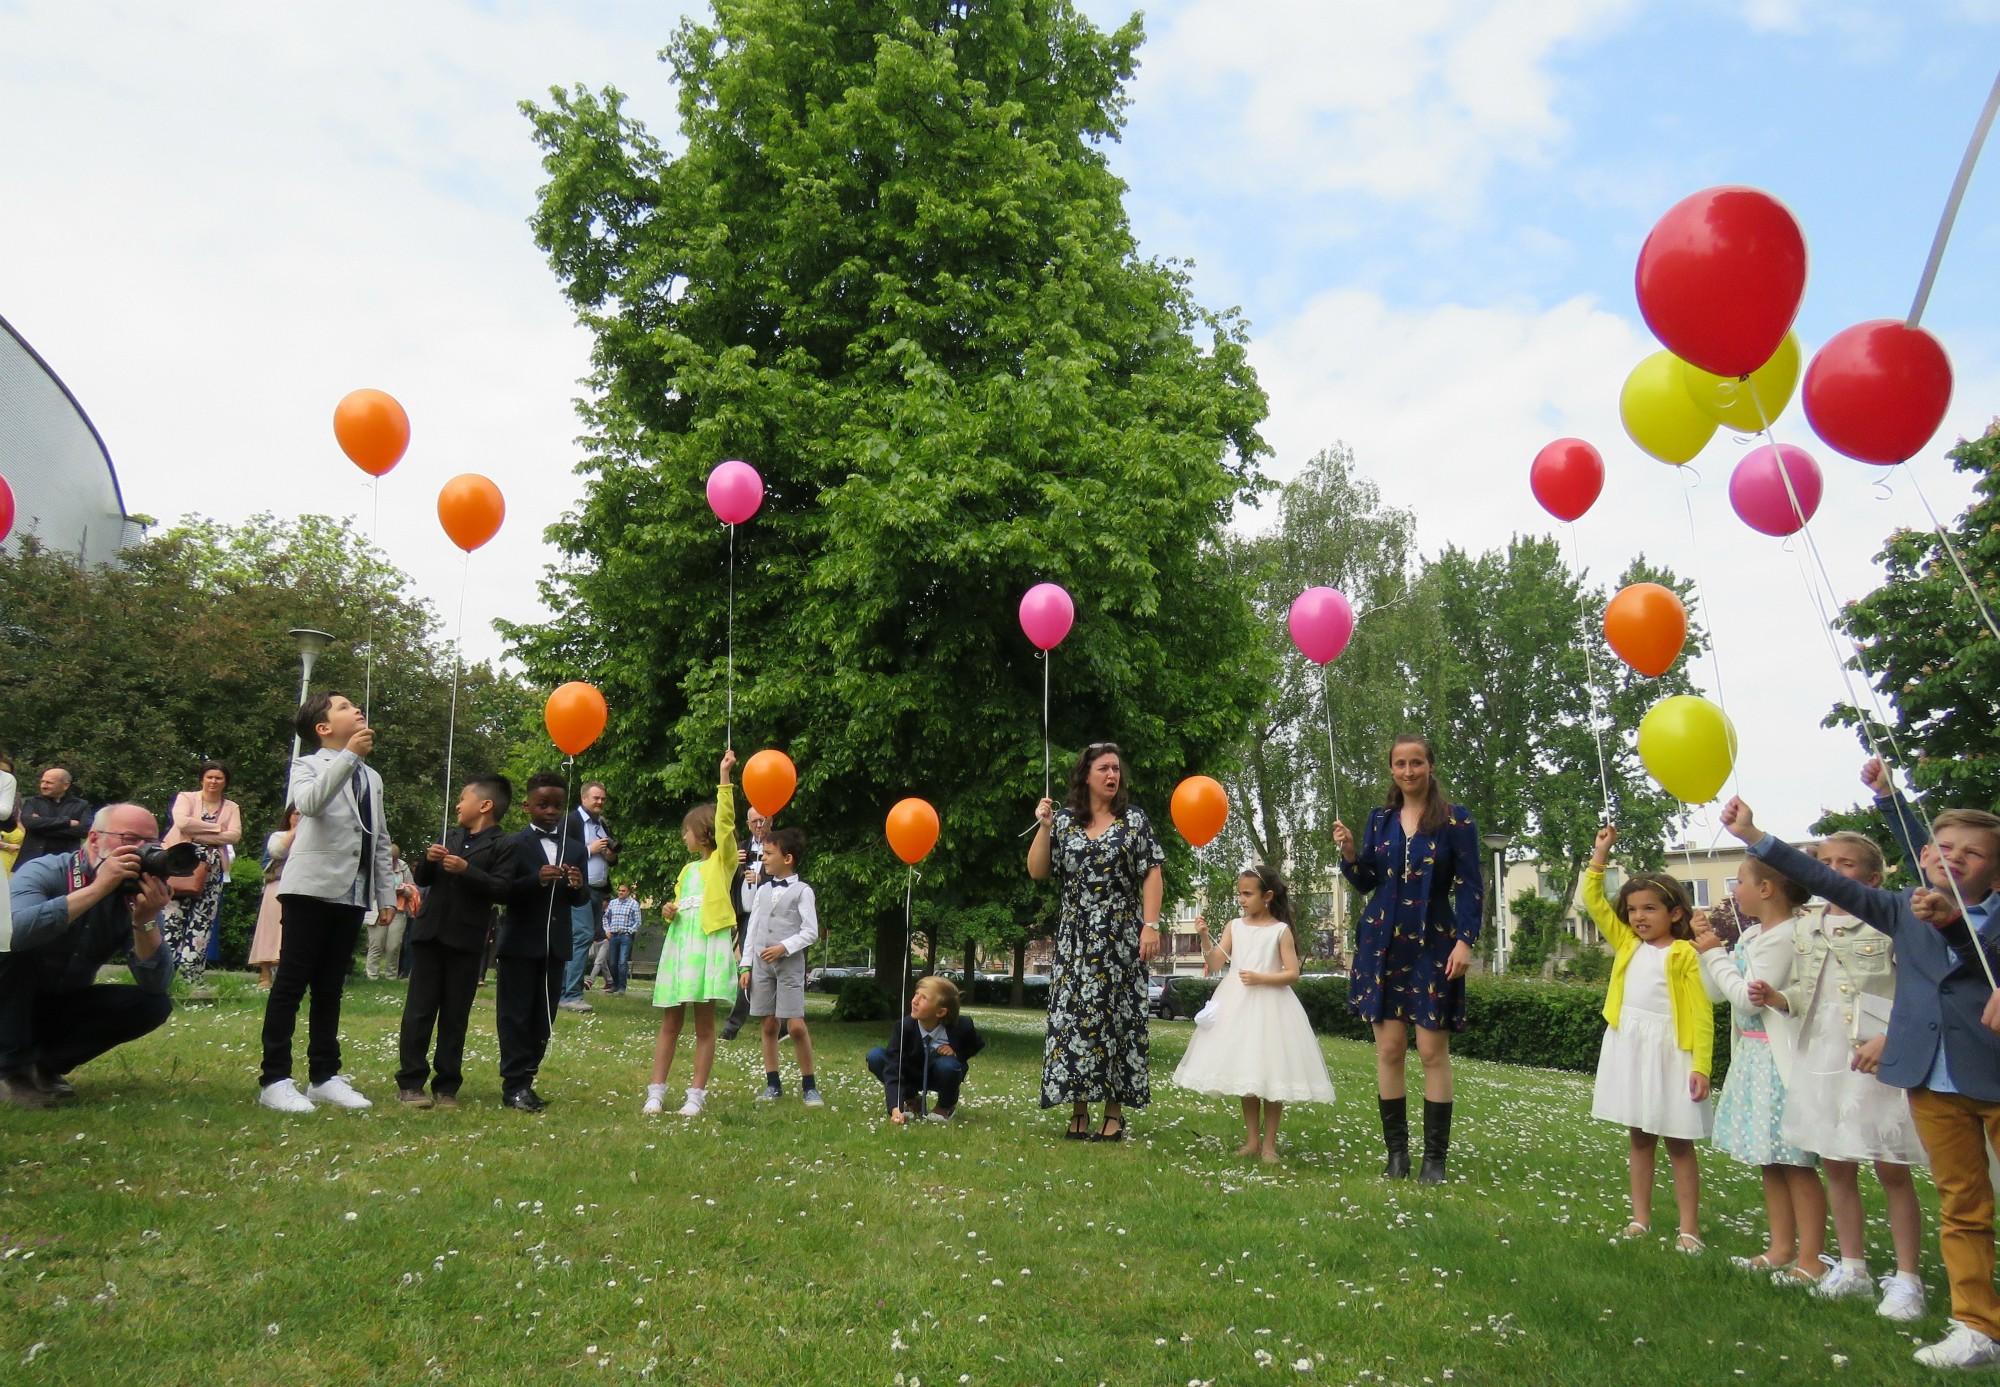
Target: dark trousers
x,y
738,1014
315,953
60,1030
621,961
443,982
946,1074
524,1007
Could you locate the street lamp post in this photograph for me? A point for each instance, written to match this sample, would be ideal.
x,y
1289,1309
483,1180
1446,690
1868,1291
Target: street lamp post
x,y
311,643
1503,947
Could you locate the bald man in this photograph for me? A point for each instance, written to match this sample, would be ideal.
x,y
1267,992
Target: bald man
x,y
71,914
54,821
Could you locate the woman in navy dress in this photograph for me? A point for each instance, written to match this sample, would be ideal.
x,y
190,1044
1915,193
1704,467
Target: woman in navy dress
x,y
1418,864
1103,848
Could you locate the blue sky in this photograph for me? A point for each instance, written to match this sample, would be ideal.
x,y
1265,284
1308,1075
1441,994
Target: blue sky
x,y
225,217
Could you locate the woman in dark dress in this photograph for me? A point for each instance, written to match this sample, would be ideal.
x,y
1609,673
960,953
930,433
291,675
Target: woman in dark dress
x,y
1104,850
1418,863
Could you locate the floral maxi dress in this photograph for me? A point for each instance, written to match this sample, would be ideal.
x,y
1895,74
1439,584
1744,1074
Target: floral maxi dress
x,y
1097,1047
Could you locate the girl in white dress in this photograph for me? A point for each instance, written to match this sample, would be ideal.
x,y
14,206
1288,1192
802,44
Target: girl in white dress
x,y
1260,1046
1843,977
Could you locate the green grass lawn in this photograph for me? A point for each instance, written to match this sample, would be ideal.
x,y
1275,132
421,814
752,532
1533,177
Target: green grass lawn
x,y
164,1229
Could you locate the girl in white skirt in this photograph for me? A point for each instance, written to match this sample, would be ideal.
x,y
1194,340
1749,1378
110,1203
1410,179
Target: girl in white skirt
x,y
1750,1115
1260,1045
1659,1036
1843,978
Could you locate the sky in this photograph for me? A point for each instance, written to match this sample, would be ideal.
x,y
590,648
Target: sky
x,y
217,219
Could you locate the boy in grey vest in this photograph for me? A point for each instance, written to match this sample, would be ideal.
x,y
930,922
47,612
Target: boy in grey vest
x,y
783,921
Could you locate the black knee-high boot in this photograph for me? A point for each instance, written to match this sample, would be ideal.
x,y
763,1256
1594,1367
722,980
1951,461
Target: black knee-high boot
x,y
1396,1136
1437,1142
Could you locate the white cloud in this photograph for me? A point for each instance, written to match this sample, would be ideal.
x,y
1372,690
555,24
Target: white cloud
x,y
1399,101
1445,408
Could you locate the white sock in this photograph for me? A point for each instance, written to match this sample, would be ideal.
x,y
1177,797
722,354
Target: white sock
x,y
697,1093
656,1090
1855,1264
1910,1278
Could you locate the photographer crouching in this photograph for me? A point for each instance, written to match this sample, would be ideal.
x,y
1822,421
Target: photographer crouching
x,y
72,913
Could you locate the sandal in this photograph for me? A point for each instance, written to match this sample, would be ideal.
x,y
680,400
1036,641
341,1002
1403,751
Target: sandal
x,y
1636,1229
1079,1128
1794,1275
1761,1262
1105,1133
1690,1244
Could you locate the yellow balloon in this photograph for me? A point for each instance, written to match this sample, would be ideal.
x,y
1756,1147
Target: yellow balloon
x,y
1728,400
1659,413
1689,746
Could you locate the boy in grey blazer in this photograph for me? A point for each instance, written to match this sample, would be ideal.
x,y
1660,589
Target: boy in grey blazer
x,y
338,872
784,921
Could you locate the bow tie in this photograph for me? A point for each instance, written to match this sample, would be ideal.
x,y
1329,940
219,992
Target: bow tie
x,y
781,885
546,833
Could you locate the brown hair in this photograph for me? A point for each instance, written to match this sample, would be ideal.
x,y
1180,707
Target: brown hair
x,y
1680,910
1795,895
945,990
1079,781
700,821
1437,809
1869,850
1979,819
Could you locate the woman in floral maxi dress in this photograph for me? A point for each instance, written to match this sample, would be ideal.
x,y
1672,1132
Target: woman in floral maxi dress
x,y
1104,851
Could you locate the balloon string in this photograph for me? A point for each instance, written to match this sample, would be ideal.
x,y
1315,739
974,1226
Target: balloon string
x,y
1951,204
1332,753
368,664
1958,563
1048,781
729,704
1714,645
548,924
1590,670
457,659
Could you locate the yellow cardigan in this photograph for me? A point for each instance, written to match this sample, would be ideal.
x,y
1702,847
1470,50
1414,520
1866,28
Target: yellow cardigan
x,y
1694,1014
718,869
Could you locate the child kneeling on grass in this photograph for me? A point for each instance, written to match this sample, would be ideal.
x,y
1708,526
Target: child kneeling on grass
x,y
930,1052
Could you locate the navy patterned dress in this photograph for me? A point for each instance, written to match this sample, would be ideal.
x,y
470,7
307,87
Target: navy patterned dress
x,y
1424,898
1097,1047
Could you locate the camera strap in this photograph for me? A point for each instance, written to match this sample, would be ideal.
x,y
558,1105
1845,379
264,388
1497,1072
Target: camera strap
x,y
78,878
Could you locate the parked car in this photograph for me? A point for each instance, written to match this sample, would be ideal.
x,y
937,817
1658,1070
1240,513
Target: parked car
x,y
1162,1000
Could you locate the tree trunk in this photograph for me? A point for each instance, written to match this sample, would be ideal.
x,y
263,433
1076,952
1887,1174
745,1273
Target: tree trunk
x,y
971,966
931,949
1017,995
1270,843
889,944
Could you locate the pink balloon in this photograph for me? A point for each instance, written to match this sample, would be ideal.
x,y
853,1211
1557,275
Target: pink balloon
x,y
1757,489
1046,615
6,508
734,492
1322,622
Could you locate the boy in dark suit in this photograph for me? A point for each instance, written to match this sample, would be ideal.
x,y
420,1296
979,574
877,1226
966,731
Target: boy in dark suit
x,y
930,1052
547,866
464,877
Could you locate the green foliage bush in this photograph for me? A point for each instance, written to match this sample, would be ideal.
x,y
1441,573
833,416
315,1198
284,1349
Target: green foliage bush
x,y
860,1000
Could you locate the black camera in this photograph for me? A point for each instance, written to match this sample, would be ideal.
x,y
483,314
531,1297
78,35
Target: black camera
x,y
177,861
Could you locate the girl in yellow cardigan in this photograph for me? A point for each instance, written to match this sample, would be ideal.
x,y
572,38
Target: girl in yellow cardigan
x,y
697,966
1659,1036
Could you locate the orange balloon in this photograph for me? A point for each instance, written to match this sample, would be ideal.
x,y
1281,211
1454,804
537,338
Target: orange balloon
x,y
471,508
1647,626
1201,807
769,778
913,829
372,429
575,715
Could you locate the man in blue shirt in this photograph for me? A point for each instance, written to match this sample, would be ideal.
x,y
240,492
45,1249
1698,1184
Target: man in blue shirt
x,y
67,915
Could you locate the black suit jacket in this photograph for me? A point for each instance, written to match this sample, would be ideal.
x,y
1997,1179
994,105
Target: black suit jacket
x,y
458,906
535,923
904,1072
52,826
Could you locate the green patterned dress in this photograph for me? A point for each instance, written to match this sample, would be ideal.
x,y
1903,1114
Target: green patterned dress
x,y
694,966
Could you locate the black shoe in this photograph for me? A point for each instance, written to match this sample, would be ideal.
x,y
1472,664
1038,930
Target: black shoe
x,y
1105,1133
1395,1136
1079,1128
1437,1142
524,1100
55,1086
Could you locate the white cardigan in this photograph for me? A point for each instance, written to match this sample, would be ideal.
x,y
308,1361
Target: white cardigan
x,y
1769,949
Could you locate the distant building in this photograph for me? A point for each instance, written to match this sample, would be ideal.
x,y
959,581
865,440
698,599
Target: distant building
x,y
1706,873
65,489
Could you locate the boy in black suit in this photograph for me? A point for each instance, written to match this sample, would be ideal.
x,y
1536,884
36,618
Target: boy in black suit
x,y
931,1051
547,865
463,878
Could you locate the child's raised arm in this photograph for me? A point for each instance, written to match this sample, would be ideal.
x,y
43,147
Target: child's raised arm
x,y
1869,904
1594,899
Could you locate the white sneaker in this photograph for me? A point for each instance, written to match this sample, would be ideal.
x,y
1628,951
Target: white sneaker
x,y
1841,1283
576,1004
283,1096
656,1100
338,1092
1901,1301
1964,1347
812,1099
697,1100
937,1117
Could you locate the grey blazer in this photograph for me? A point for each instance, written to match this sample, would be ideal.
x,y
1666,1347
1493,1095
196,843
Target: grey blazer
x,y
326,851
1939,994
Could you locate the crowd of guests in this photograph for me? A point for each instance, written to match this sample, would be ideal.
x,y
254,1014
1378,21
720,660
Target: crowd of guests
x,y
1866,1028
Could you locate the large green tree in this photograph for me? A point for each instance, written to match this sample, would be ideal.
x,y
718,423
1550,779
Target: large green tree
x,y
133,675
1931,656
891,269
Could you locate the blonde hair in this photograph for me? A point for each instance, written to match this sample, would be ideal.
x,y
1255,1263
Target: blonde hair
x,y
1978,819
1865,847
945,990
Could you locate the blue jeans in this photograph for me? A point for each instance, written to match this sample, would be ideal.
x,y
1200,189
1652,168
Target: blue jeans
x,y
619,960
946,1074
582,930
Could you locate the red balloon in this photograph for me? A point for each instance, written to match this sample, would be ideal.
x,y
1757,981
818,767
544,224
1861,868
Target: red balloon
x,y
1878,391
1720,278
1566,477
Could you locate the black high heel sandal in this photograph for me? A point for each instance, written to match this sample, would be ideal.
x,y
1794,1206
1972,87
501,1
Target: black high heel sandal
x,y
1105,1133
1079,1128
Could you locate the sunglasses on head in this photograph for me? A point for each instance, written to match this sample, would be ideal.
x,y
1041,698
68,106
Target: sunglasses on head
x,y
1096,749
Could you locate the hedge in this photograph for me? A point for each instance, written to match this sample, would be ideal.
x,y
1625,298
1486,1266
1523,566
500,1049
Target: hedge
x,y
1549,1025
